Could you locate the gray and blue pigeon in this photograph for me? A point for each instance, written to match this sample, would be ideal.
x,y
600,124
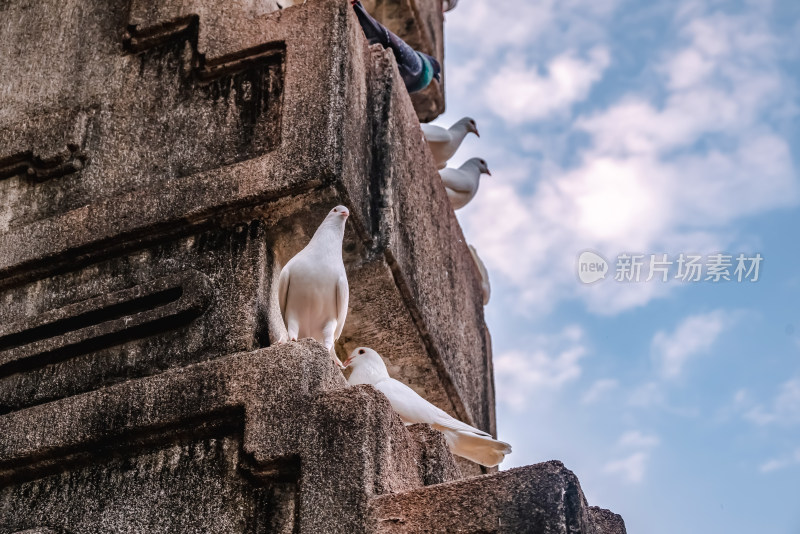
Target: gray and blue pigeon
x,y
416,68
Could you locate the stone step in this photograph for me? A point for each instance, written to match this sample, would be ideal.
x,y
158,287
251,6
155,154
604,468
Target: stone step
x,y
535,499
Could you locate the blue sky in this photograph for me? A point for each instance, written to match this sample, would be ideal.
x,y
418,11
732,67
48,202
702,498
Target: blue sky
x,y
641,127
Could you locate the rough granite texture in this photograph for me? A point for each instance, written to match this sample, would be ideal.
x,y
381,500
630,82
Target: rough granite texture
x,y
174,303
606,521
220,446
138,188
537,499
159,163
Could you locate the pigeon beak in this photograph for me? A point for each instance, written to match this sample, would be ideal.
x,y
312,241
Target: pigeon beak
x,y
347,362
476,132
488,172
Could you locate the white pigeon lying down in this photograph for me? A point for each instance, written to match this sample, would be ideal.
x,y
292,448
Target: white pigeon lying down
x,y
463,440
461,184
444,142
312,288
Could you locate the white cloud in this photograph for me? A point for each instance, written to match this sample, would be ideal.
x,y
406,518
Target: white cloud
x,y
488,26
599,389
785,408
519,93
653,394
553,361
777,464
692,337
667,173
494,35
630,468
638,440
647,395
688,68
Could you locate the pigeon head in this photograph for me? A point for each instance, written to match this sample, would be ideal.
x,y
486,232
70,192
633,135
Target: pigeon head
x,y
468,123
479,164
339,211
331,230
364,357
336,218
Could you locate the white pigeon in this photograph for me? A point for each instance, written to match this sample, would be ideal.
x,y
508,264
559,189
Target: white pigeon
x,y
312,288
461,184
444,142
486,289
462,439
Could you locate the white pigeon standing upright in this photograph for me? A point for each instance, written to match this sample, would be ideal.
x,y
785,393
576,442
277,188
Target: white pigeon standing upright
x,y
462,183
444,142
312,288
462,439
486,288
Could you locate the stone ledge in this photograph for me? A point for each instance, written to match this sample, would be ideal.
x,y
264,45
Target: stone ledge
x,y
285,409
534,499
401,230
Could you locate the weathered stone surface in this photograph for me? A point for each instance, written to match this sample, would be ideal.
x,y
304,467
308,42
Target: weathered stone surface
x,y
606,521
538,499
437,463
221,446
159,163
125,492
133,193
177,302
134,130
430,262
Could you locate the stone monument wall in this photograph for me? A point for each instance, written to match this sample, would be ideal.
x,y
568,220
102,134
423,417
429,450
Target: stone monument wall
x,y
159,164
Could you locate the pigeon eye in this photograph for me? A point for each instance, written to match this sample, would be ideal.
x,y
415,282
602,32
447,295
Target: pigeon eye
x,y
361,351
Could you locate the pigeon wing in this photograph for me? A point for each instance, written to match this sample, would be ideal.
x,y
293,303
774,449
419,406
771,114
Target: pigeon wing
x,y
414,409
342,301
456,180
462,439
435,134
406,402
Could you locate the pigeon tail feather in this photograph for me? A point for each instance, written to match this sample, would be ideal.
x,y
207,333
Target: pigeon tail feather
x,y
483,450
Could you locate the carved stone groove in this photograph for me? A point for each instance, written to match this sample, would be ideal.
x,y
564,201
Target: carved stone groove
x,y
109,319
38,168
